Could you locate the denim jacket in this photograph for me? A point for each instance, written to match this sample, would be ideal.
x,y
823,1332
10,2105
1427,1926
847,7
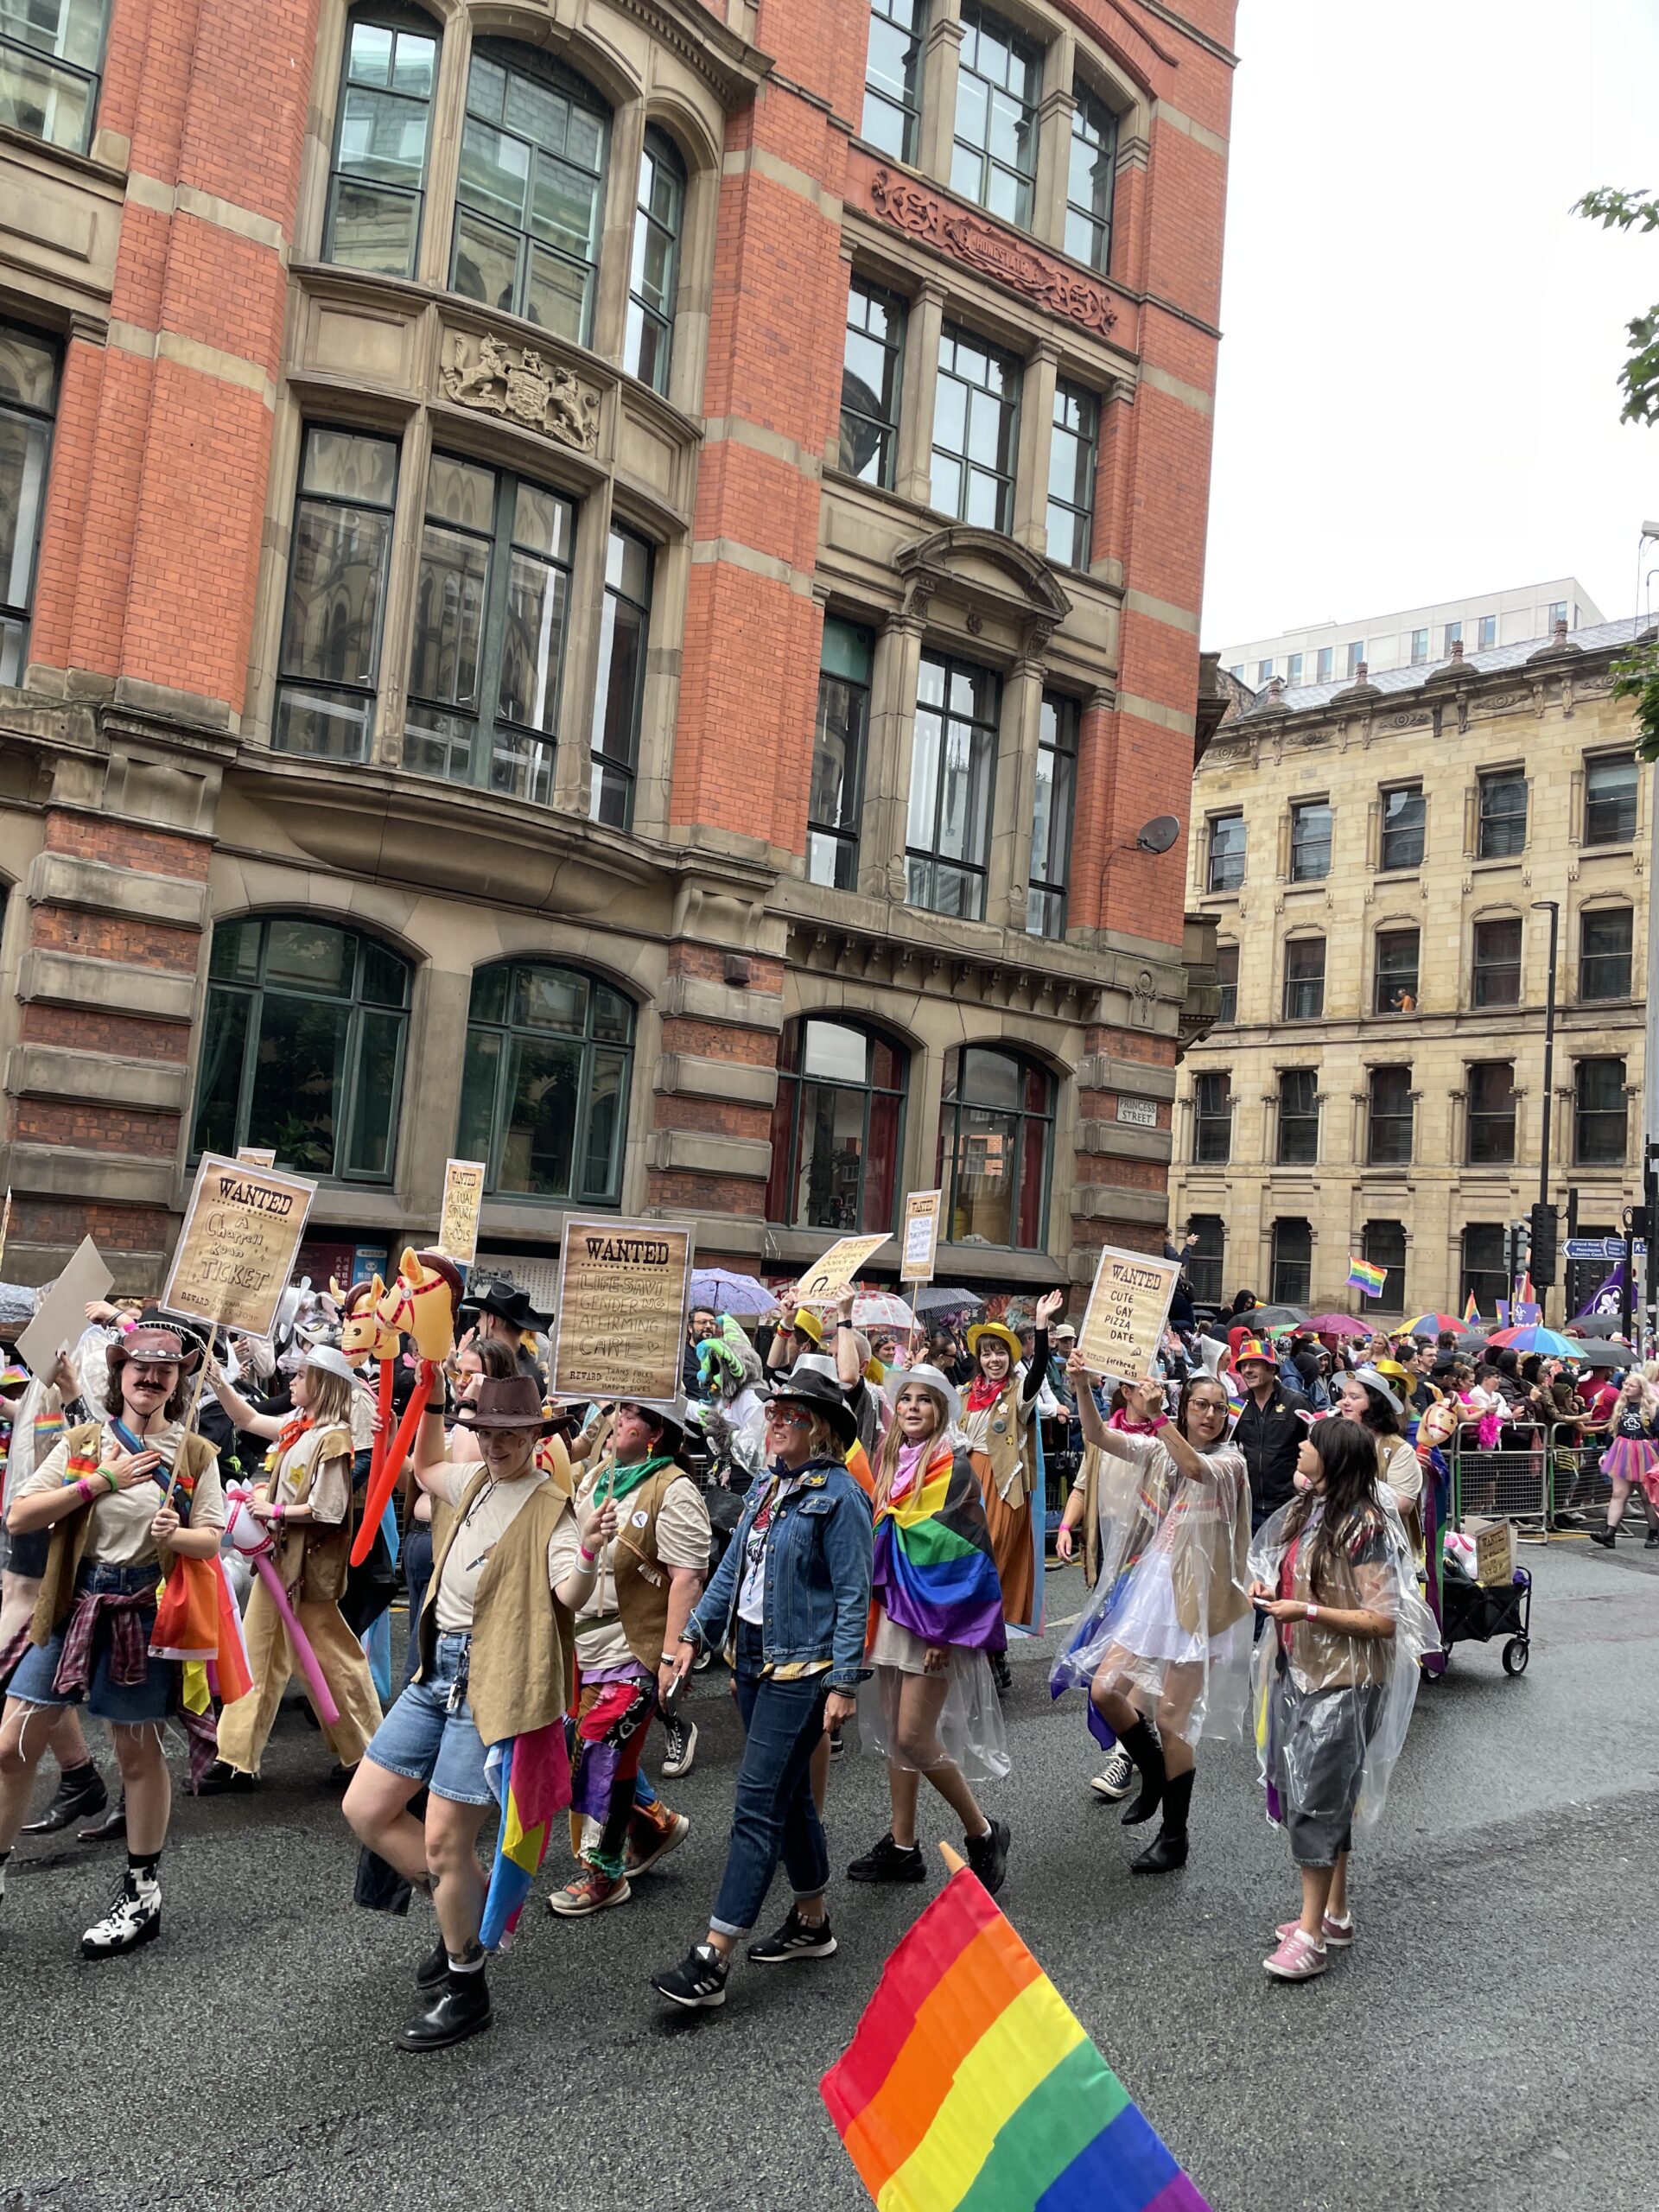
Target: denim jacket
x,y
817,1585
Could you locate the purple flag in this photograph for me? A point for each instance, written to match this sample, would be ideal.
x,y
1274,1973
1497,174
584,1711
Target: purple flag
x,y
1608,1299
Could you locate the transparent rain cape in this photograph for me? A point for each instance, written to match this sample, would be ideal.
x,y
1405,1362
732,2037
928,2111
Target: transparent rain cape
x,y
1331,1712
1170,1615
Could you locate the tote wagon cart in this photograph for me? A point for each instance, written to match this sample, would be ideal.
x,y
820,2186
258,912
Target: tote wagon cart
x,y
1479,1612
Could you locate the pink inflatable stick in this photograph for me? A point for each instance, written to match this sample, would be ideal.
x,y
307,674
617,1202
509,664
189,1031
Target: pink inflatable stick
x,y
252,1538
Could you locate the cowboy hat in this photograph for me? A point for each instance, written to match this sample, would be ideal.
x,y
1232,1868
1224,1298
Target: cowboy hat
x,y
819,1395
932,1379
810,1325
158,1337
671,1420
1380,1384
1000,1333
328,1359
513,1402
508,1303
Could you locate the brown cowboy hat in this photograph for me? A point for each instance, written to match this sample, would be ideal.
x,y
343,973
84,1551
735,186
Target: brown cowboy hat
x,y
156,1337
515,1402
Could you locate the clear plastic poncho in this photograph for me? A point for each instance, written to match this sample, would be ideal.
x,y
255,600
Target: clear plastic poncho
x,y
1331,1711
971,1733
1170,1620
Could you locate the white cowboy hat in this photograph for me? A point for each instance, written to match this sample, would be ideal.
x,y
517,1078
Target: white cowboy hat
x,y
931,1378
328,1360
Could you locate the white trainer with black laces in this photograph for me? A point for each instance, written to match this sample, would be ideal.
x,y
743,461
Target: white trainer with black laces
x,y
680,1747
134,1918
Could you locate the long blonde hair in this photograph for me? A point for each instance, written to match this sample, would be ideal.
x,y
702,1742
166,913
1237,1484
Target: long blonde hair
x,y
893,1443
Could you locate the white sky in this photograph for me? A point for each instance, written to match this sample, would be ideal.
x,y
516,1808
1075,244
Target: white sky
x,y
1417,397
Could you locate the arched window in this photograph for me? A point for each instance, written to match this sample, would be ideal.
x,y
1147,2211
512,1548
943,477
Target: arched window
x,y
1292,1281
302,1046
996,1142
837,1128
654,270
532,193
381,137
544,1095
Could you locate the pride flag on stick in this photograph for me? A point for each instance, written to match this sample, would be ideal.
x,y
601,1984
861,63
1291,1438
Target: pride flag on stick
x,y
970,2087
1470,1312
1361,1275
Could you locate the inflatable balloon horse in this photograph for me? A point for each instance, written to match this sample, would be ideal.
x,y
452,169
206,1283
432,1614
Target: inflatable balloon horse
x,y
363,1337
423,1303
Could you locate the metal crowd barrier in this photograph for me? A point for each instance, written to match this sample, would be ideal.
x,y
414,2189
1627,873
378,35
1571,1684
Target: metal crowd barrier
x,y
1579,1491
1511,1483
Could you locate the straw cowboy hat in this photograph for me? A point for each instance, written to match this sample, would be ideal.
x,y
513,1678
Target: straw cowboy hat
x,y
1000,1333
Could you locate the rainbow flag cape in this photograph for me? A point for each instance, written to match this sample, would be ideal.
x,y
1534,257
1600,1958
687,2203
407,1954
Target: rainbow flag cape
x,y
530,1777
970,2087
1472,1314
933,1571
1361,1275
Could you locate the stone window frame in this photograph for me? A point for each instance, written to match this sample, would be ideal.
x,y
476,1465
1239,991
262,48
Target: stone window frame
x,y
1476,924
1201,1120
1275,1264
1604,757
1281,1120
792,1082
20,613
1029,1061
1581,1061
1611,903
1286,980
1472,1114
1394,925
923,16
1390,1118
1385,1303
398,18
59,66
663,153
1217,1259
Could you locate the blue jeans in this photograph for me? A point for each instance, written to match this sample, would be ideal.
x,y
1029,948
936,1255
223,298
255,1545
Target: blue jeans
x,y
775,1816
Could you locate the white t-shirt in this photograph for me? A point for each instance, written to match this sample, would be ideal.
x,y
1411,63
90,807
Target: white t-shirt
x,y
752,1584
491,1513
683,1540
120,1534
1402,1471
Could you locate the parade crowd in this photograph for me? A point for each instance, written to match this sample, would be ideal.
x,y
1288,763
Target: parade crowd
x,y
850,1526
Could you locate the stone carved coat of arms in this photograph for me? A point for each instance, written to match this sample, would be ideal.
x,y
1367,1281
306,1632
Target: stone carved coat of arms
x,y
516,383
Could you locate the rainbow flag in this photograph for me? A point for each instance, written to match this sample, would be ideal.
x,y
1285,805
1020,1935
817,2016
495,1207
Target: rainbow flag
x,y
970,2087
530,1777
1361,1275
1472,1314
933,1572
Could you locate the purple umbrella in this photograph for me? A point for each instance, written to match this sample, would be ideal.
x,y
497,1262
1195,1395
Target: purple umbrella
x,y
739,1295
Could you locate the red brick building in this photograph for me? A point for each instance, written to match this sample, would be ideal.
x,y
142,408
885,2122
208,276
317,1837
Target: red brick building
x,y
605,585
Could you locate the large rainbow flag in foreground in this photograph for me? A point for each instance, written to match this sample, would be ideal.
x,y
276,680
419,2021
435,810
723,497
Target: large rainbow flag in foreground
x,y
970,2085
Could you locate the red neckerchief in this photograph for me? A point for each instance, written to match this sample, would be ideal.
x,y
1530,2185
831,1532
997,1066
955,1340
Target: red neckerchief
x,y
983,1392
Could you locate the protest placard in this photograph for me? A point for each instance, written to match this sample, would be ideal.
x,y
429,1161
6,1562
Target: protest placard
x,y
921,1236
1129,1308
463,1199
835,1271
62,1314
253,1155
620,1327
238,1244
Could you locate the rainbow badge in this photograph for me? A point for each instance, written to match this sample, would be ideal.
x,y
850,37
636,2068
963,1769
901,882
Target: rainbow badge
x,y
970,2085
1361,1275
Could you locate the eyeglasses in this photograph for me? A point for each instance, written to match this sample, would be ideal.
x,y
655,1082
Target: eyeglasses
x,y
789,1416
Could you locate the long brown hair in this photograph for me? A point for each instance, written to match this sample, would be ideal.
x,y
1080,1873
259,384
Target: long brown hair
x,y
1352,1467
887,1458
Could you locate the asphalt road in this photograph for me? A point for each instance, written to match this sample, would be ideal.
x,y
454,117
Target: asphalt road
x,y
1484,2046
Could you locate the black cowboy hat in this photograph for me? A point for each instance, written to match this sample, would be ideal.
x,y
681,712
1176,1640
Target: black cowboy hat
x,y
671,1421
506,1301
514,1402
803,1386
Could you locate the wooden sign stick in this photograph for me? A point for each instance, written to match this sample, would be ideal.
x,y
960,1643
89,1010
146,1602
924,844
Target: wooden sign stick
x,y
195,1406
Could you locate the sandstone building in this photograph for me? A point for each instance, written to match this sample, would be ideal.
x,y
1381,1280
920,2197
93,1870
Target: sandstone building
x,y
1377,856
603,586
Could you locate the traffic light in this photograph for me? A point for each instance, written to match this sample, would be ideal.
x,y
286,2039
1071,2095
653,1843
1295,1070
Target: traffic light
x,y
1542,1262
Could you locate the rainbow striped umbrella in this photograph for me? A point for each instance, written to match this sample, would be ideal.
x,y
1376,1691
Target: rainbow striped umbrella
x,y
1430,1325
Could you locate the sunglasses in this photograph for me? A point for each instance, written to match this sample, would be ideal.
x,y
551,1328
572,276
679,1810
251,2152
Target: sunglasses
x,y
789,1416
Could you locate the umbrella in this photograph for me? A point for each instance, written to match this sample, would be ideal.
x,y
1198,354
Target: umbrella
x,y
880,1309
1430,1325
936,1299
1550,1342
1264,1317
1338,1325
1472,1342
1598,1324
728,1294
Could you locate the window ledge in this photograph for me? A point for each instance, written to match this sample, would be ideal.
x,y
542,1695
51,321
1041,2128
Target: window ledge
x,y
1623,852
80,165
1516,860
1394,875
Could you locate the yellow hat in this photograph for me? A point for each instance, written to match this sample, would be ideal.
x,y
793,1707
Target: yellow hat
x,y
809,1324
1000,1332
1393,1369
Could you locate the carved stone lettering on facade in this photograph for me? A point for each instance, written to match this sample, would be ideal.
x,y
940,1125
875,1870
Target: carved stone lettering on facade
x,y
518,384
983,247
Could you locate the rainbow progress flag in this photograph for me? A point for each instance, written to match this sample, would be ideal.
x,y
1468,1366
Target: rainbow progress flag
x,y
1470,1312
530,1777
1361,1275
970,2087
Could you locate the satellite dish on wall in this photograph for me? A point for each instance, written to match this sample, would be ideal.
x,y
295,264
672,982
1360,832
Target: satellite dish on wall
x,y
1159,835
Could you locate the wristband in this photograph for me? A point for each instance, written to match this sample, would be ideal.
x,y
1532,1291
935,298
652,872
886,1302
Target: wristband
x,y
671,1659
1312,1612
113,1480
844,1324
279,1514
83,1489
588,1559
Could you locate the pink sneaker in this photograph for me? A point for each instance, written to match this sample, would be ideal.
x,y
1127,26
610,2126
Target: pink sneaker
x,y
1298,1958
1338,1934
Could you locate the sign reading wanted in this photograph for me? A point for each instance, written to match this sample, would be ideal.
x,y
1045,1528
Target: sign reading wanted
x,y
1124,1323
239,1245
921,1236
463,1197
834,1272
621,1329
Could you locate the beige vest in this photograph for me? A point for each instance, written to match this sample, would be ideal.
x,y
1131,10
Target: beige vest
x,y
71,1536
1008,1445
641,1578
522,1656
315,1562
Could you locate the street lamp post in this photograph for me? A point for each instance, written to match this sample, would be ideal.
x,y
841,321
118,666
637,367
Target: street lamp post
x,y
1552,907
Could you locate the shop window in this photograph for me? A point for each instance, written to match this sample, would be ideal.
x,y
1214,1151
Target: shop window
x,y
837,1128
381,136
544,1086
996,1138
302,1042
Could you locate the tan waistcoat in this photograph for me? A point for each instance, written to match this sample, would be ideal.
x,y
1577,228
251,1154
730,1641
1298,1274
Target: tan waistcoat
x,y
71,1536
521,1657
641,1578
316,1561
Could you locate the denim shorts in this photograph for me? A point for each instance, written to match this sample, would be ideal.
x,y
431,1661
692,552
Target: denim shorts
x,y
427,1740
106,1699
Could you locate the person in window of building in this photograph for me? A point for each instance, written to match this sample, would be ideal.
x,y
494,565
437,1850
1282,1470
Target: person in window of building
x,y
1269,1430
494,1644
999,1426
627,1630
789,1602
938,1613
120,1497
1336,1675
499,1309
1166,1635
306,1502
702,1322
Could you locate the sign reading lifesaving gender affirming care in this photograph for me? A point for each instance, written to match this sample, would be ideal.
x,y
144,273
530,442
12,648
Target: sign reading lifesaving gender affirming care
x,y
463,1195
920,1241
836,1271
239,1245
620,1332
1128,1309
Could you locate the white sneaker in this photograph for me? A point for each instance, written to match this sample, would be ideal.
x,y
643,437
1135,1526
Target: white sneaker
x,y
133,1919
1117,1778
680,1750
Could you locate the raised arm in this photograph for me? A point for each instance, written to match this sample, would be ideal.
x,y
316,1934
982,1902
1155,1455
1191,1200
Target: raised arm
x,y
269,1426
1095,1430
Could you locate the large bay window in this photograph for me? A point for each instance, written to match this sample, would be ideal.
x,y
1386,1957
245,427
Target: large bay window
x,y
381,137
328,666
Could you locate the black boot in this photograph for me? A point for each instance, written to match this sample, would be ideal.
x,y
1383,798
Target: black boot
x,y
80,1792
1605,1537
1001,1673
458,2007
433,1966
112,1828
1143,1747
1168,1850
